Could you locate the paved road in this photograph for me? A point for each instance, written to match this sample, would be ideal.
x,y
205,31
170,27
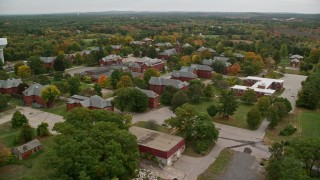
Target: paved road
x,y
158,115
35,117
292,85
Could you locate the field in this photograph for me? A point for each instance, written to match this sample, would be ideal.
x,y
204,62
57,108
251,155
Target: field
x,y
285,62
310,124
59,108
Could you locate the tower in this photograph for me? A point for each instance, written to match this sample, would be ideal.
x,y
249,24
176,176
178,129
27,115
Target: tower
x,y
3,43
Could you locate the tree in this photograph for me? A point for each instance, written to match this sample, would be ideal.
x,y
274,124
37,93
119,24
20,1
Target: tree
x,y
263,104
185,61
131,99
308,96
196,127
26,133
219,66
167,95
140,83
281,109
253,118
234,69
74,85
98,89
3,101
36,65
195,93
94,144
49,94
314,56
42,129
16,66
284,51
59,64
88,92
285,101
18,120
228,103
103,81
212,110
208,92
152,52
125,81
3,75
273,118
150,73
115,77
58,76
43,80
249,96
178,99
78,59
276,56
24,71
62,87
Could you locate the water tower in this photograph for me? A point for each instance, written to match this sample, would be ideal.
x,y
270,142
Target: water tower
x,y
3,43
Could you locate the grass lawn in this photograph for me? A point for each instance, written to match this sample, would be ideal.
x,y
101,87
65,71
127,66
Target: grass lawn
x,y
32,168
218,166
310,124
293,71
7,135
285,62
59,108
85,85
238,119
152,126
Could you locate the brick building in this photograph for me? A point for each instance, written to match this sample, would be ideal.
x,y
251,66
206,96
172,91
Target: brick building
x,y
167,53
145,63
27,149
93,102
153,98
32,96
110,59
165,147
10,86
48,61
223,60
183,75
158,84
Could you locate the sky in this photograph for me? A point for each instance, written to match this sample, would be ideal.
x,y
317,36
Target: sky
x,y
64,6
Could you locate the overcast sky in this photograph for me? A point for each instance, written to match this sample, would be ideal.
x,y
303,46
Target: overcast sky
x,y
59,6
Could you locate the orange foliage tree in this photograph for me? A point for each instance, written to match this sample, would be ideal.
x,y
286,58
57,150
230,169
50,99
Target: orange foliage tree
x,y
103,81
234,69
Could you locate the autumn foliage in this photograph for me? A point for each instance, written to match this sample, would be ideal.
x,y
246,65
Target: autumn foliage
x,y
234,69
103,80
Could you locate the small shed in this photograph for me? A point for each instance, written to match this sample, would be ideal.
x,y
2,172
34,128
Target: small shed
x,y
27,149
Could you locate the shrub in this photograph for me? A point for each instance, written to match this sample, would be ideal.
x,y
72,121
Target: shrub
x,y
212,110
201,147
288,130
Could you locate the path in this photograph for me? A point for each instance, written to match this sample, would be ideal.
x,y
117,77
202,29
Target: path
x,y
35,117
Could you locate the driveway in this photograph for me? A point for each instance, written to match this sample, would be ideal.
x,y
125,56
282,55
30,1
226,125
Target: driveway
x,y
35,117
158,115
292,85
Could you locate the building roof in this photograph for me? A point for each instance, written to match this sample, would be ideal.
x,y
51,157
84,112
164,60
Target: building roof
x,y
295,60
116,46
296,56
140,43
149,93
185,74
169,52
264,91
238,55
95,101
47,59
167,82
187,45
202,48
10,83
34,90
149,61
76,99
154,139
147,39
112,57
163,44
219,58
201,67
209,62
136,74
26,147
263,79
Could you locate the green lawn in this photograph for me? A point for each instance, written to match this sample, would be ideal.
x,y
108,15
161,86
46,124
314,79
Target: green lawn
x,y
310,124
218,166
293,71
85,85
152,126
285,62
59,108
32,168
238,119
7,135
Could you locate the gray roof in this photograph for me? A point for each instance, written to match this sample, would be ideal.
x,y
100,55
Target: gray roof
x,y
238,55
47,59
187,69
137,43
26,147
116,46
134,64
163,44
111,57
34,90
167,82
85,52
202,48
149,61
187,45
136,74
295,60
76,99
149,93
96,101
10,83
169,52
201,67
219,58
186,74
147,39
296,56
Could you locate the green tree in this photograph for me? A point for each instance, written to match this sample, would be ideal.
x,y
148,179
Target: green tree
x,y
49,94
43,79
125,81
249,97
253,118
308,96
212,110
16,66
78,59
178,99
98,89
3,75
131,99
24,71
167,94
115,77
18,120
59,64
140,83
208,92
36,65
150,73
3,101
228,103
195,93
26,133
42,129
284,51
281,109
264,104
273,118
152,52
74,84
219,66
285,101
58,76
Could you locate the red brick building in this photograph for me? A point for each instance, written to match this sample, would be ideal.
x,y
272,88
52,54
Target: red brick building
x,y
158,84
295,63
48,61
26,150
202,71
93,102
110,59
153,98
165,147
183,75
10,86
146,63
167,53
32,96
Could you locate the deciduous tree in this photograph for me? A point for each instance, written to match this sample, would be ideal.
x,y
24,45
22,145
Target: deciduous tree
x,y
178,99
166,96
150,73
42,129
26,133
125,81
253,118
74,84
18,120
228,104
49,94
249,96
24,71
